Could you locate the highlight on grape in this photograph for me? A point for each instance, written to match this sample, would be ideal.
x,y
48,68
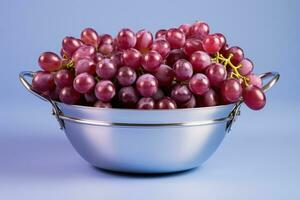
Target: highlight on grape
x,y
182,67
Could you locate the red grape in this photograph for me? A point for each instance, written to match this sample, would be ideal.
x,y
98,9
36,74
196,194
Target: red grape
x,y
181,93
199,84
175,55
126,39
85,65
166,103
199,30
43,81
147,85
69,96
126,76
146,103
212,44
162,47
70,45
98,57
106,69
175,37
231,90
183,70
116,57
254,97
52,94
254,80
100,104
63,78
165,75
246,67
216,73
106,39
89,37
238,54
128,96
209,98
49,61
200,60
84,83
132,58
221,38
105,90
90,97
84,52
106,49
185,28
151,61
192,45
158,95
160,33
144,40
189,104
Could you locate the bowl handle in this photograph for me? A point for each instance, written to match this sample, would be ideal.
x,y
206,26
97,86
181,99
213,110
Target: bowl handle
x,y
236,110
55,110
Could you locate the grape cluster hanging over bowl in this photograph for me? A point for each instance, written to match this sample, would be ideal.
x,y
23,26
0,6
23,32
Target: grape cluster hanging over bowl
x,y
182,67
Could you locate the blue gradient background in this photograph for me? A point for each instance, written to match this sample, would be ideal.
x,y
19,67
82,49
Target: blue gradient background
x,y
259,159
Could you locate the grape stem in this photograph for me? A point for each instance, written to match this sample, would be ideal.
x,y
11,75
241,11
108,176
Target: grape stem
x,y
226,62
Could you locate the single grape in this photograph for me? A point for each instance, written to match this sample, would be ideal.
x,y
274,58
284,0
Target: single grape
x,y
199,30
106,39
175,37
209,98
174,55
105,90
254,97
146,103
90,97
161,33
84,83
89,37
128,96
200,60
189,104
192,45
199,84
165,75
117,59
85,65
183,70
147,85
237,54
126,76
231,90
52,94
181,93
100,104
212,44
126,39
221,38
162,47
144,40
151,61
185,28
43,81
246,67
49,61
84,52
106,69
216,73
158,95
132,58
63,78
69,96
70,45
106,49
166,103
254,80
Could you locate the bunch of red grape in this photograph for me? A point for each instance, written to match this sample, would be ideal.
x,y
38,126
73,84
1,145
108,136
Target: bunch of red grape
x,y
182,67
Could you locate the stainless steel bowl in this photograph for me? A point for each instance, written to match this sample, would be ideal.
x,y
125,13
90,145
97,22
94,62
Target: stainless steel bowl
x,y
145,141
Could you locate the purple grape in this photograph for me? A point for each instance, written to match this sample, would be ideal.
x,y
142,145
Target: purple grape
x,y
105,90
146,103
183,70
126,76
147,85
128,96
106,69
181,93
165,75
84,83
